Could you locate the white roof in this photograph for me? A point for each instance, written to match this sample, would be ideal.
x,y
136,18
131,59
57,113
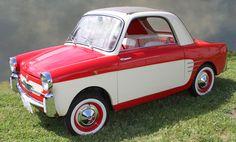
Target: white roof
x,y
127,10
130,13
121,11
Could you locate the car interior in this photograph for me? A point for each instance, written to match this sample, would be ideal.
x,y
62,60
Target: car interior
x,y
148,32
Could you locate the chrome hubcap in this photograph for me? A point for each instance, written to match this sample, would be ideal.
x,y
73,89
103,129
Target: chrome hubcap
x,y
87,115
203,80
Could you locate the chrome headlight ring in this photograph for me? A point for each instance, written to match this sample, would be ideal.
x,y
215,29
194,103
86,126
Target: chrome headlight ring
x,y
13,64
46,81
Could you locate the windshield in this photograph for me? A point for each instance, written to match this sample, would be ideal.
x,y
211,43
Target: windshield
x,y
99,32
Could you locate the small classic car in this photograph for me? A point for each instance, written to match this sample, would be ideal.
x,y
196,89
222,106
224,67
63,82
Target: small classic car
x,y
115,58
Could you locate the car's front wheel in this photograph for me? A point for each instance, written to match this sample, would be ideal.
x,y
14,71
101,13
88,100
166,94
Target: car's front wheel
x,y
203,81
87,114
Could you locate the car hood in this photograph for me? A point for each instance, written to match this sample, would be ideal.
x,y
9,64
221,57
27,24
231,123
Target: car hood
x,y
58,57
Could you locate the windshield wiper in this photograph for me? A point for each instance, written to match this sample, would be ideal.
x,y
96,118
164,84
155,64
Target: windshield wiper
x,y
72,39
90,43
73,35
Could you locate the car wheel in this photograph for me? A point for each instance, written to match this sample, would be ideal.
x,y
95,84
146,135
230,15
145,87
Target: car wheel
x,y
203,81
87,114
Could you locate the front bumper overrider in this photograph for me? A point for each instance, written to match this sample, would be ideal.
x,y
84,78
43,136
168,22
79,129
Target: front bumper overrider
x,y
48,104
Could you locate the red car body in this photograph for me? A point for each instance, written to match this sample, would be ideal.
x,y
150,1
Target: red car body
x,y
67,63
70,62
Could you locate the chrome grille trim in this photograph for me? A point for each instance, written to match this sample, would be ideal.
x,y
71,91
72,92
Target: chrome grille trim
x,y
29,86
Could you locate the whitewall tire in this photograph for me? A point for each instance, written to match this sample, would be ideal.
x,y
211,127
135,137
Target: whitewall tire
x,y
87,115
204,81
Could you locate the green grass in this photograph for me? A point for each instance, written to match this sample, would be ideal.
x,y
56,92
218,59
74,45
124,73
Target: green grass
x,y
180,117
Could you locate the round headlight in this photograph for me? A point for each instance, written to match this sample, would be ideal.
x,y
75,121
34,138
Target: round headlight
x,y
13,64
46,80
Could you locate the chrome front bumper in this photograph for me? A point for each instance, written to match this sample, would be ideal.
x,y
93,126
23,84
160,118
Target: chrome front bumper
x,y
48,103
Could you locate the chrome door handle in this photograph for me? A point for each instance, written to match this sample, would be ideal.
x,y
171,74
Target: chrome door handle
x,y
125,59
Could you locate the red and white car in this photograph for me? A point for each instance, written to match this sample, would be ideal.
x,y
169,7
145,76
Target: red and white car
x,y
115,58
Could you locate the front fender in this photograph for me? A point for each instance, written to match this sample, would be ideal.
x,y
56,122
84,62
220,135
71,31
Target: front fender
x,y
66,91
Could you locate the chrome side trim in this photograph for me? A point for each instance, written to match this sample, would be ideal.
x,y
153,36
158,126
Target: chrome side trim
x,y
189,66
190,62
125,59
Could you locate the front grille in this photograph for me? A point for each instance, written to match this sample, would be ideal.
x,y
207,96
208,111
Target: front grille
x,y
29,86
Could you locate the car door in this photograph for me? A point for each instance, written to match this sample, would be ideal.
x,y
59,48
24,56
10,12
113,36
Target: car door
x,y
156,65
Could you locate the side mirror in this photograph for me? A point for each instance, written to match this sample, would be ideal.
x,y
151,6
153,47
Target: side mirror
x,y
128,43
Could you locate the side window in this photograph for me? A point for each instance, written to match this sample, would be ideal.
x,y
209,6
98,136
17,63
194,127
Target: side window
x,y
159,25
149,32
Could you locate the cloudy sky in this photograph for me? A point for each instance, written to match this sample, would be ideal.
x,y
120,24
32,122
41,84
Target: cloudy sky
x,y
27,25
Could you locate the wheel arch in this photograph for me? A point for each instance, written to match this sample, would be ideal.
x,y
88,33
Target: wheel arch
x,y
211,64
194,74
100,91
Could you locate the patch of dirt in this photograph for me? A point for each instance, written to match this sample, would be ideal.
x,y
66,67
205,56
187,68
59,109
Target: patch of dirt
x,y
224,137
233,113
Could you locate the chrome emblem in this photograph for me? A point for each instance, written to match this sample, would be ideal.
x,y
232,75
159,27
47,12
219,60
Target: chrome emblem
x,y
27,86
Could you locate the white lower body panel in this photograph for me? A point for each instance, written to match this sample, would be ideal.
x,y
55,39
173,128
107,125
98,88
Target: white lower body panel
x,y
147,80
126,85
66,91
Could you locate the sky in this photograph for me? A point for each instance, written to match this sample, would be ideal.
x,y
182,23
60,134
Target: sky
x,y
27,25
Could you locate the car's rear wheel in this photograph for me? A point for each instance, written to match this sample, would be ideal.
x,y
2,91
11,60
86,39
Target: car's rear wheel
x,y
87,114
203,81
